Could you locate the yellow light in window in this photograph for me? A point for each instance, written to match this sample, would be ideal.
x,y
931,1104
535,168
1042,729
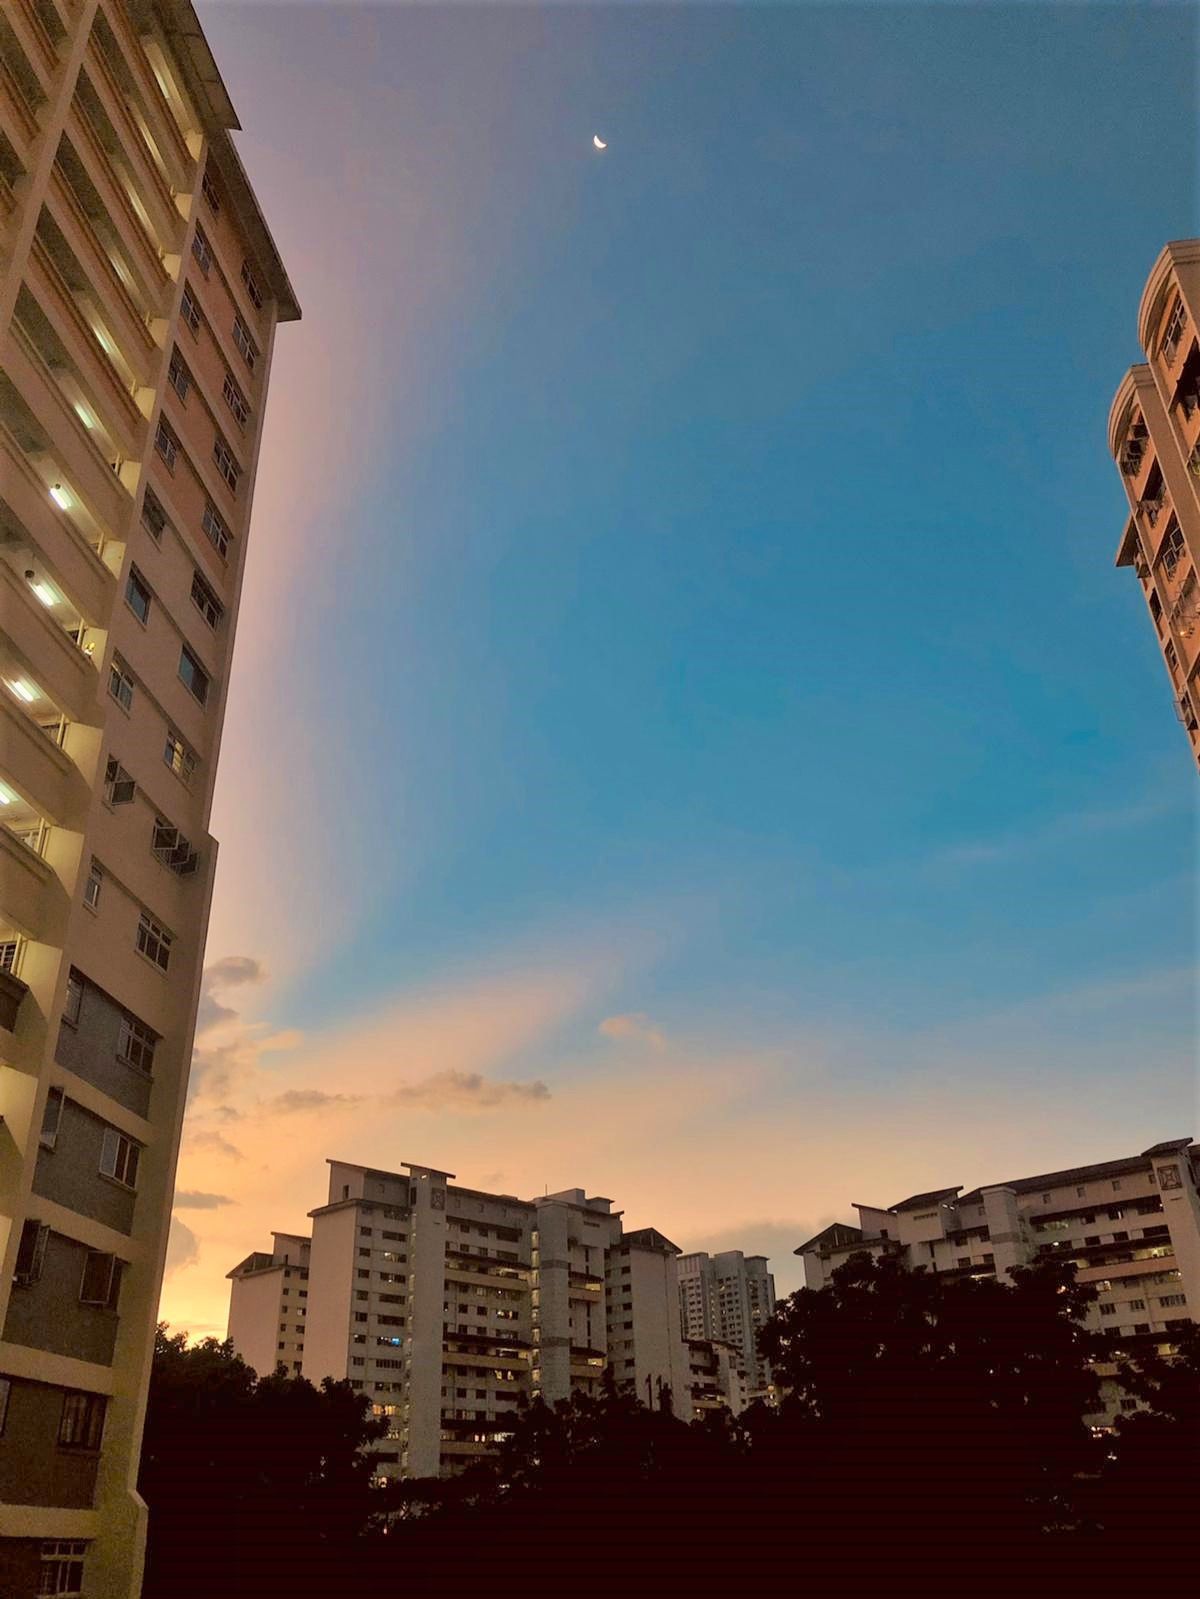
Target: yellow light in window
x,y
21,689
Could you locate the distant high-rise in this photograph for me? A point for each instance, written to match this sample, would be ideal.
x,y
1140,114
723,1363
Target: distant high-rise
x,y
447,1306
139,296
729,1297
1131,1227
1154,436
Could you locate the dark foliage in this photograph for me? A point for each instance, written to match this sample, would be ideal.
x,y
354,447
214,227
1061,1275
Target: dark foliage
x,y
933,1441
255,1485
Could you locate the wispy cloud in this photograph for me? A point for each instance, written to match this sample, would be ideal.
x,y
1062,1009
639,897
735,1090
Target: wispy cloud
x,y
197,1199
455,1090
305,1099
634,1025
1089,822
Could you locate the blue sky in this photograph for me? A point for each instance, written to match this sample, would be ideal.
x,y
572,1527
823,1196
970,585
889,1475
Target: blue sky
x,y
685,574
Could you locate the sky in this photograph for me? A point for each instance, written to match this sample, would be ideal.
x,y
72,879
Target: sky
x,y
687,737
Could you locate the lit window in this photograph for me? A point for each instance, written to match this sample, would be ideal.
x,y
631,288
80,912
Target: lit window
x,y
93,886
189,310
205,601
224,461
80,1426
244,342
193,675
178,757
178,375
201,249
120,683
235,400
214,526
252,288
137,595
119,786
62,1567
136,1044
166,443
119,1158
209,190
153,941
101,1284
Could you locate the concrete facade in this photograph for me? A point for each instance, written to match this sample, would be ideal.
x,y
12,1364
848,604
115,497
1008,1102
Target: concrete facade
x,y
1131,1227
139,295
447,1305
729,1297
1154,437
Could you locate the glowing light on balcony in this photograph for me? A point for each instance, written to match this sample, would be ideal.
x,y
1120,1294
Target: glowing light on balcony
x,y
42,591
85,416
23,690
7,797
105,343
60,497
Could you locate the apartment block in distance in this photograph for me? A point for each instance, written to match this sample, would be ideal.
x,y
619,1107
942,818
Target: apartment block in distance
x,y
447,1306
1154,436
139,295
729,1297
1131,1227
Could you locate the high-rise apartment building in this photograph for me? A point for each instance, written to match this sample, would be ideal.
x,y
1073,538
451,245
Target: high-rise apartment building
x,y
1131,1227
730,1297
447,1305
139,294
1154,436
715,1377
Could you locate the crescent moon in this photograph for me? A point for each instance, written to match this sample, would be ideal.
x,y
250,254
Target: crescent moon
x,y
599,142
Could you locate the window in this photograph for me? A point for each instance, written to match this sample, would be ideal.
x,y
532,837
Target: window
x,y
209,190
178,375
252,288
120,684
62,1567
189,310
225,463
136,1044
192,675
153,515
1108,1310
1172,1299
205,601
1137,1304
153,941
178,757
166,443
95,882
214,527
74,997
101,1283
1116,1182
119,786
235,400
137,595
1173,549
1174,331
31,1252
82,1421
201,249
244,342
119,1157
51,1117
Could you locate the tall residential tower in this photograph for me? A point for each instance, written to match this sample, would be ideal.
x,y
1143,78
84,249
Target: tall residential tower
x,y
729,1297
448,1306
1154,436
139,295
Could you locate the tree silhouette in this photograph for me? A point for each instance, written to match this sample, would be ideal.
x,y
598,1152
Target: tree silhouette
x,y
255,1485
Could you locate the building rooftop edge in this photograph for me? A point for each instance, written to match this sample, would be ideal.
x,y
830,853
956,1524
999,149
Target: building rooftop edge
x,y
1177,250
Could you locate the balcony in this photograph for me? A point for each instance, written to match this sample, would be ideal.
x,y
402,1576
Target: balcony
x,y
90,475
37,46
12,992
37,766
55,674
16,114
126,145
123,41
30,520
116,304
136,244
27,888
